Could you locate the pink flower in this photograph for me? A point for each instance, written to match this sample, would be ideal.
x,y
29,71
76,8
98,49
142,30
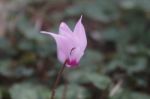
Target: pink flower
x,y
70,44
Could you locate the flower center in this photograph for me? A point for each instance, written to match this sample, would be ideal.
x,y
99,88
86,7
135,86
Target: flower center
x,y
72,59
72,62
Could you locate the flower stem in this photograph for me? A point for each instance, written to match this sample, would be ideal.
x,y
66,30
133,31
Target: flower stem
x,y
57,80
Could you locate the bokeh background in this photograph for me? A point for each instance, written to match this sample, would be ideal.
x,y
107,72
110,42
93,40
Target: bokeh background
x,y
116,64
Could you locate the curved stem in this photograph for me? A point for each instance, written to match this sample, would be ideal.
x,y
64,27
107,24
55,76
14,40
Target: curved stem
x,y
57,80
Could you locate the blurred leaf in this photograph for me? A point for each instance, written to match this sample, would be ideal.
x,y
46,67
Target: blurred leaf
x,y
5,67
7,70
111,34
26,45
140,65
29,29
46,49
56,17
100,10
28,91
91,60
100,81
114,64
28,57
4,44
131,66
21,71
77,76
130,4
127,4
137,95
74,10
144,4
126,94
73,92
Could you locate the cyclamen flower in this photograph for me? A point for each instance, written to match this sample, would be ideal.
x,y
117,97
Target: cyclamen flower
x,y
70,44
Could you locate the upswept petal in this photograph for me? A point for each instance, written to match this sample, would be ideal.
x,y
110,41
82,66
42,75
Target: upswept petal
x,y
64,29
79,33
64,46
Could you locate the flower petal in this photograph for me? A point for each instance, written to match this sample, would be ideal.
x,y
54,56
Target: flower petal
x,y
64,46
64,29
79,32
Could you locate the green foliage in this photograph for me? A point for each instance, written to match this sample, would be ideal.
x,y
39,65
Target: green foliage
x,y
28,28
29,91
99,10
4,67
99,81
73,91
126,94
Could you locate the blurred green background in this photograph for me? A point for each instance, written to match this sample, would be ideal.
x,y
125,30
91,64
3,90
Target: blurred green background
x,y
116,64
